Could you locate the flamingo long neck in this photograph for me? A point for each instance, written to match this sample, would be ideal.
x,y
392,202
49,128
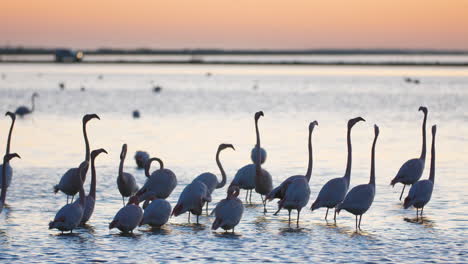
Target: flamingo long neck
x,y
85,135
258,166
9,136
432,172
372,170
347,175
82,196
423,150
92,190
32,104
4,184
223,174
121,169
309,166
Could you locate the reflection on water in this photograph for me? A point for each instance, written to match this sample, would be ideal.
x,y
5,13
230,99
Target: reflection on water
x,y
184,124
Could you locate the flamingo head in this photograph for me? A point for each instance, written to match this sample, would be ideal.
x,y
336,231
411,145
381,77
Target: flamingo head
x,y
423,109
88,117
353,121
10,114
312,125
258,115
233,191
123,153
376,130
96,152
224,146
8,157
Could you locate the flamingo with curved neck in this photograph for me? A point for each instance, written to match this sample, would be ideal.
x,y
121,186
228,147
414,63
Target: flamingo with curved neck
x,y
6,159
160,183
9,170
263,181
125,181
411,171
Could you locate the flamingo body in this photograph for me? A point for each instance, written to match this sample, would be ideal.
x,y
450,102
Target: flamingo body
x,y
419,194
127,218
157,213
9,174
127,184
161,183
253,155
228,213
141,157
359,199
245,177
192,199
410,172
331,194
69,183
68,217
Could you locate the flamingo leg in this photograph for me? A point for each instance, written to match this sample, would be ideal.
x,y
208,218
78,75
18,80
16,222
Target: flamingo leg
x,y
246,196
279,209
422,209
401,195
67,199
250,198
233,230
73,197
197,219
123,201
334,218
417,214
326,214
298,214
264,204
206,208
356,223
289,220
359,226
189,216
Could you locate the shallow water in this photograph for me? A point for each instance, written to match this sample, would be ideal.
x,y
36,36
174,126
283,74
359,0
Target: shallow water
x,y
194,113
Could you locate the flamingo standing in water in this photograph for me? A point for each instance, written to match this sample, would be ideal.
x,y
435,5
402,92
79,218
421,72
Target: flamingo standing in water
x,y
91,197
334,191
125,181
294,192
9,170
209,179
69,216
69,183
6,159
192,199
24,110
360,198
245,176
263,181
411,171
156,213
141,158
159,184
421,192
228,212
128,217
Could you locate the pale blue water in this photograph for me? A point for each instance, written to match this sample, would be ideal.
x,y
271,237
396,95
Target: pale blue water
x,y
184,124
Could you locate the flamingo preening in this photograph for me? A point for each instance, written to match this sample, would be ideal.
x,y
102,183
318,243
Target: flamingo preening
x,y
9,170
209,179
91,197
128,217
411,171
421,192
69,183
24,110
69,216
6,159
294,192
192,199
360,198
157,213
334,191
228,212
125,181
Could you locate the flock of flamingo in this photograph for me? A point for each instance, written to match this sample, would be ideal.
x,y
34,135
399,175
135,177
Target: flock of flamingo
x,y
293,193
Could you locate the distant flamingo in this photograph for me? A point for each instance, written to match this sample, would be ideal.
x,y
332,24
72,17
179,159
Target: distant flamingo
x,y
91,197
228,212
209,179
141,158
411,171
263,181
125,181
294,192
69,183
192,199
421,192
69,216
24,110
360,198
6,159
128,217
156,213
9,170
334,191
159,184
245,176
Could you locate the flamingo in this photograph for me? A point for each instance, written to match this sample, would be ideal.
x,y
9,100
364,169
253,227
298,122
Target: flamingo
x,y
6,159
245,176
128,217
192,199
253,155
159,184
334,191
421,192
294,192
24,110
141,158
69,183
69,216
360,198
411,171
125,181
91,197
209,179
228,211
9,170
156,213
263,181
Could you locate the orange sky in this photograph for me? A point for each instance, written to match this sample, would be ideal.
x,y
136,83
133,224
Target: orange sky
x,y
289,24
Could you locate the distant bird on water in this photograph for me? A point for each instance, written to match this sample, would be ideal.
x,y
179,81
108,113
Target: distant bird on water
x,y
136,114
421,192
360,198
334,191
24,110
411,171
